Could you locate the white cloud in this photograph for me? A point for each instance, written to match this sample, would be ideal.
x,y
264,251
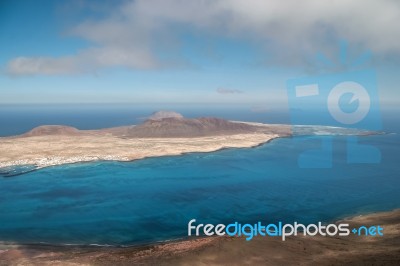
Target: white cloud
x,y
132,33
228,91
43,65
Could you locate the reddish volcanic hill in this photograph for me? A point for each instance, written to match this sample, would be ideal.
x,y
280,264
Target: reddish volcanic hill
x,y
182,127
166,124
52,130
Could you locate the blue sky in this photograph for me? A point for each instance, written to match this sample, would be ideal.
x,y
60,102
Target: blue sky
x,y
217,52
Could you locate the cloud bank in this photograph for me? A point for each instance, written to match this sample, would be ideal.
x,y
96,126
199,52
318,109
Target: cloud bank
x,y
132,34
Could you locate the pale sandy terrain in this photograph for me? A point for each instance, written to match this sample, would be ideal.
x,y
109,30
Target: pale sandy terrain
x,y
165,133
51,150
299,250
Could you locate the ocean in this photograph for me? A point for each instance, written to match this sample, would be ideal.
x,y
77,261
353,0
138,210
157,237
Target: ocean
x,y
152,200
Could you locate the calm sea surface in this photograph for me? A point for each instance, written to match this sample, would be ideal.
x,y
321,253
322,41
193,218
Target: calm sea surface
x,y
153,199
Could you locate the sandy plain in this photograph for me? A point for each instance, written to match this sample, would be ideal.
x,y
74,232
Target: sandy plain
x,y
49,150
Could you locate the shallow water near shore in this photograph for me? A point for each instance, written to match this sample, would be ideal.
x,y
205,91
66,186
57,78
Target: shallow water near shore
x,y
152,200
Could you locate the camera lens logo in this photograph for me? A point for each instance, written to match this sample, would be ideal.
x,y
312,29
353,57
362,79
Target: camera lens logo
x,y
359,95
346,100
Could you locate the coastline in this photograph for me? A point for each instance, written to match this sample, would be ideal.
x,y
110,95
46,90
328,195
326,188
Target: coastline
x,y
45,151
70,145
227,250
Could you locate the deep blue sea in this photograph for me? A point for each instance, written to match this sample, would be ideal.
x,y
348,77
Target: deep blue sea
x,y
153,199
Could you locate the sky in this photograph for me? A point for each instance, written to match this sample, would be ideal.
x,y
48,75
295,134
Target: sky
x,y
200,51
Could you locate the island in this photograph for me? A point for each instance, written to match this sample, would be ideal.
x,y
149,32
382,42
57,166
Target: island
x,y
163,133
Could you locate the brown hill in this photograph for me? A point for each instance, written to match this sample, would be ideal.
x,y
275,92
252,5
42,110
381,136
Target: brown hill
x,y
166,124
52,130
183,127
164,114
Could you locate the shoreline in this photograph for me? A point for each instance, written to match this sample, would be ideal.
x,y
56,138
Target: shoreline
x,y
159,147
101,145
110,148
217,250
341,218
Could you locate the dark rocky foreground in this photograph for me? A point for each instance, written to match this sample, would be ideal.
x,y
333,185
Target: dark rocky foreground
x,y
300,250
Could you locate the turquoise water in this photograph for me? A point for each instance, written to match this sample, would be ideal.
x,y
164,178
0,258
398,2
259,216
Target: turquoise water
x,y
153,199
